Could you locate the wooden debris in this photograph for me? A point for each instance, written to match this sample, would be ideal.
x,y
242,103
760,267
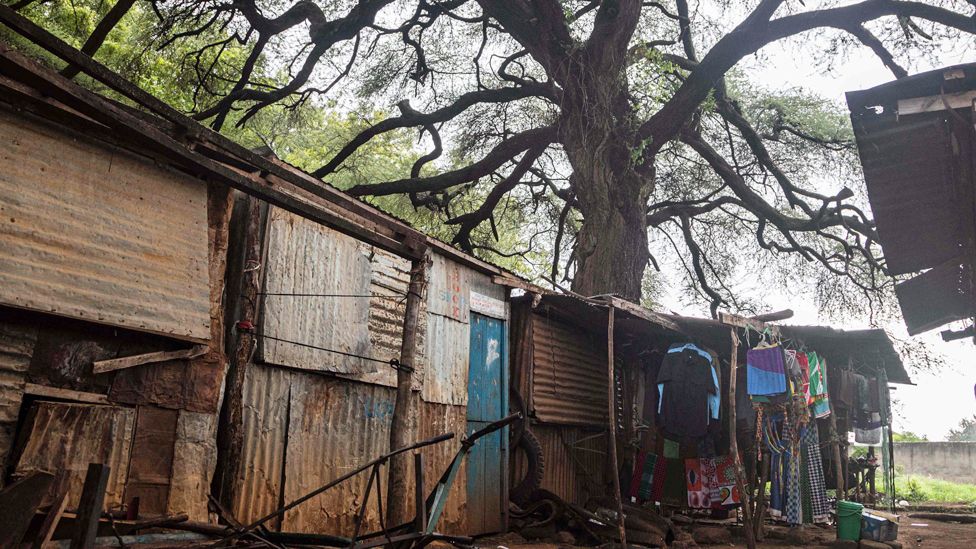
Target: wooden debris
x,y
18,503
102,366
90,506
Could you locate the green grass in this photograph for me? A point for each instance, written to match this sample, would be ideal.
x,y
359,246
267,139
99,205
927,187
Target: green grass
x,y
918,488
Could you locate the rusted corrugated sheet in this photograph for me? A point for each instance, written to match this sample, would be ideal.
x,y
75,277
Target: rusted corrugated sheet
x,y
938,296
908,170
101,235
332,427
194,460
68,437
575,462
258,488
446,374
306,258
16,349
569,376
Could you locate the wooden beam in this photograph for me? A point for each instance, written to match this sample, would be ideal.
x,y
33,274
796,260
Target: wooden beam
x,y
738,321
740,474
102,366
18,503
774,316
90,506
65,394
51,519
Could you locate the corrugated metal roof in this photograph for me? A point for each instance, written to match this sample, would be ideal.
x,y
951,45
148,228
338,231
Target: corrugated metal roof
x,y
938,296
569,375
99,234
908,167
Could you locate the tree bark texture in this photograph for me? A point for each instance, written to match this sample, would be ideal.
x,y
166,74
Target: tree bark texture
x,y
403,426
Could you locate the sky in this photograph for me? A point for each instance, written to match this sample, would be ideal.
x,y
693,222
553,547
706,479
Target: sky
x,y
939,400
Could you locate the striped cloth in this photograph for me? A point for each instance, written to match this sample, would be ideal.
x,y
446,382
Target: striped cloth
x,y
647,482
820,509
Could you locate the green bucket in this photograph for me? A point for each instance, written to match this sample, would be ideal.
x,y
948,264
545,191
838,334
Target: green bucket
x,y
849,520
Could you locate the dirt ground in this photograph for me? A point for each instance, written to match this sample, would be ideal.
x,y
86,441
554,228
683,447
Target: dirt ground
x,y
912,534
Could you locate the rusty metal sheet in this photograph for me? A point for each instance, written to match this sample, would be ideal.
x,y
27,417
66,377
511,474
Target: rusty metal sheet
x,y
194,461
306,258
332,426
936,297
575,461
99,234
446,372
151,459
569,375
63,436
258,487
192,385
908,165
448,289
16,348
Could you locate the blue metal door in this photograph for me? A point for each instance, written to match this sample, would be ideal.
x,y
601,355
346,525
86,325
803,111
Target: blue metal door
x,y
487,395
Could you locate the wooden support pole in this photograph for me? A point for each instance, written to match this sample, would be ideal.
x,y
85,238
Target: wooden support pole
x,y
740,474
612,417
402,428
230,437
835,447
760,513
90,506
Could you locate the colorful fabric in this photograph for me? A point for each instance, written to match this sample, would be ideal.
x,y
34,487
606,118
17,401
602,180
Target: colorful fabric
x,y
818,386
675,490
820,509
793,499
648,478
804,362
725,493
698,494
765,371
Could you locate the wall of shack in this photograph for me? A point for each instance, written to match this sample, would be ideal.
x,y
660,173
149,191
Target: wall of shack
x,y
110,254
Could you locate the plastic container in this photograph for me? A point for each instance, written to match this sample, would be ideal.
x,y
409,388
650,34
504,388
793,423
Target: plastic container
x,y
849,520
879,526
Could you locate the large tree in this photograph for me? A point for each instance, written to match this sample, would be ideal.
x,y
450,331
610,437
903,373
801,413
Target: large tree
x,y
618,118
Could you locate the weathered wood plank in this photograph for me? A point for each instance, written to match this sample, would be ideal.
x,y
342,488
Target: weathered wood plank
x,y
51,519
66,394
102,366
90,506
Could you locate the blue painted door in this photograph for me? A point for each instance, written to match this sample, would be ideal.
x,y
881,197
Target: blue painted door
x,y
487,394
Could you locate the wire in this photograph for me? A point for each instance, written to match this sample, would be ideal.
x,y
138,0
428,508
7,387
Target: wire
x,y
290,294
393,363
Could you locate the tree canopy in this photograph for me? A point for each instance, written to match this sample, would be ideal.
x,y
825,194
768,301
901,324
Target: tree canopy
x,y
586,138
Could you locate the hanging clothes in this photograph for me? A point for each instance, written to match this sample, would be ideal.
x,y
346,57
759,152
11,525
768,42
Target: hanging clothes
x,y
818,385
816,484
647,482
765,371
687,383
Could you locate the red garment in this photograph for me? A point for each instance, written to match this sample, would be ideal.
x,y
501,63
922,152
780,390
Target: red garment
x,y
801,359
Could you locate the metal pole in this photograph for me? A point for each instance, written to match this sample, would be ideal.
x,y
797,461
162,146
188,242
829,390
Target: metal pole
x,y
611,408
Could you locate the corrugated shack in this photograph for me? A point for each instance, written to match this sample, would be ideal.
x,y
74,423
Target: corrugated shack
x,y
154,272
560,375
915,137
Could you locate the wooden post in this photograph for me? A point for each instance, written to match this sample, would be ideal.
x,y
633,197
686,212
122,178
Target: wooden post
x,y
740,474
612,409
90,506
760,514
230,436
835,446
404,416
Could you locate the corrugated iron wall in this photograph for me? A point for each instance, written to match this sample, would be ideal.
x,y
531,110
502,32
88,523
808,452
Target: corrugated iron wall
x,y
332,426
575,461
99,234
569,373
16,348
